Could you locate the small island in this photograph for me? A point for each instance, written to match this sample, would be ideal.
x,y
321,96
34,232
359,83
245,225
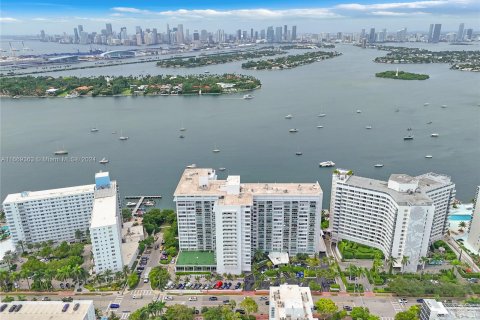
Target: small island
x,y
220,58
402,75
459,60
73,87
289,62
299,46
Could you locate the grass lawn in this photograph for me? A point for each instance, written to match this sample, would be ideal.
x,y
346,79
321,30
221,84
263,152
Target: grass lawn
x,y
353,250
196,258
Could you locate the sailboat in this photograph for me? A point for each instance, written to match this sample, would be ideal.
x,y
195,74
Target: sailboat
x,y
103,161
61,152
216,150
94,129
122,137
182,128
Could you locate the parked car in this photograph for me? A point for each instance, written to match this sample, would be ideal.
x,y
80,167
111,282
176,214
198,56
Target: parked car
x,y
347,308
241,311
226,301
67,299
213,298
238,285
114,306
263,298
13,307
76,306
402,300
167,298
46,299
3,307
65,307
192,299
18,307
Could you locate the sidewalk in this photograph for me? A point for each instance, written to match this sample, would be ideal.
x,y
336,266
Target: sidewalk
x,y
465,256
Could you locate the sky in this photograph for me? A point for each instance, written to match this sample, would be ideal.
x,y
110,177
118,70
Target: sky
x,y
28,17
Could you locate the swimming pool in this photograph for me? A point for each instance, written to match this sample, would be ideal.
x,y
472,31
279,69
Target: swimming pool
x,y
460,217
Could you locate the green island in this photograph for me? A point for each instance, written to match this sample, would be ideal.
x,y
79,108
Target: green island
x,y
221,58
72,87
289,62
459,60
402,75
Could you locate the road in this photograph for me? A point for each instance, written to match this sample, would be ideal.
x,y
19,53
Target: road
x,y
385,307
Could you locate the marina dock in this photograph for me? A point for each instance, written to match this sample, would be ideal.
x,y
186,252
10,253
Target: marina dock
x,y
140,201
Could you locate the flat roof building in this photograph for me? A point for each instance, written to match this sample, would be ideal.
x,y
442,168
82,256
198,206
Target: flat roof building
x,y
235,219
290,302
49,310
401,217
435,310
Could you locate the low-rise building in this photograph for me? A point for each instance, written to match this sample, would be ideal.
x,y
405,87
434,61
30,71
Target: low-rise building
x,y
435,310
49,310
290,302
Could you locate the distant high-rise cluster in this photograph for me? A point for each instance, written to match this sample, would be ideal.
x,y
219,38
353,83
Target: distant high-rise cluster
x,y
171,36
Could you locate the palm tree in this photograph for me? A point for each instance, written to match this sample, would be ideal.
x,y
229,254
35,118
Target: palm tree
x,y
155,309
25,273
462,225
21,244
423,260
4,279
78,235
391,261
64,273
48,275
108,275
177,278
9,257
405,261
126,271
118,275
15,276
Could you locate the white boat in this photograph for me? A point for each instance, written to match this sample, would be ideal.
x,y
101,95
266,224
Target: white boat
x,y
122,137
293,130
222,169
444,105
378,165
298,153
321,115
327,164
434,135
319,127
206,71
191,166
72,95
288,116
426,104
428,156
131,204
368,127
359,111
94,129
149,203
60,152
248,96
104,161
216,150
409,137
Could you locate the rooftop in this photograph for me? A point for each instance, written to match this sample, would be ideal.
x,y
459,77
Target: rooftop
x,y
293,301
278,257
48,310
203,182
105,207
196,258
51,193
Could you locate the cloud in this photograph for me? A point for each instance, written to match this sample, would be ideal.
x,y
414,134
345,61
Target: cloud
x,y
396,14
130,10
240,13
400,5
8,19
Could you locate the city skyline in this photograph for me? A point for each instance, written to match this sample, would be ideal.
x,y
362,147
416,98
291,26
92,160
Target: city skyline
x,y
348,16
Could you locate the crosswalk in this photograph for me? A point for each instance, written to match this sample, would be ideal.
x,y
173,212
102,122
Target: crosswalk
x,y
387,318
125,315
118,300
397,306
142,292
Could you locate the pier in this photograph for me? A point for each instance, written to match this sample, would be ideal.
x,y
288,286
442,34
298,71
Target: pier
x,y
140,201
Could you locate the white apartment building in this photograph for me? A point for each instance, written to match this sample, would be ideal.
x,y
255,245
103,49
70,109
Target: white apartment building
x,y
106,226
49,214
474,230
435,310
290,302
235,219
401,217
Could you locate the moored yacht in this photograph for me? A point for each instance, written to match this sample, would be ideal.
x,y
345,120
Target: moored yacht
x,y
321,115
409,137
368,127
428,156
298,153
327,164
248,96
378,165
434,135
60,152
191,166
288,116
293,130
103,161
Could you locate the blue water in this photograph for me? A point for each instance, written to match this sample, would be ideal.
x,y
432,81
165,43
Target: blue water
x,y
460,217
